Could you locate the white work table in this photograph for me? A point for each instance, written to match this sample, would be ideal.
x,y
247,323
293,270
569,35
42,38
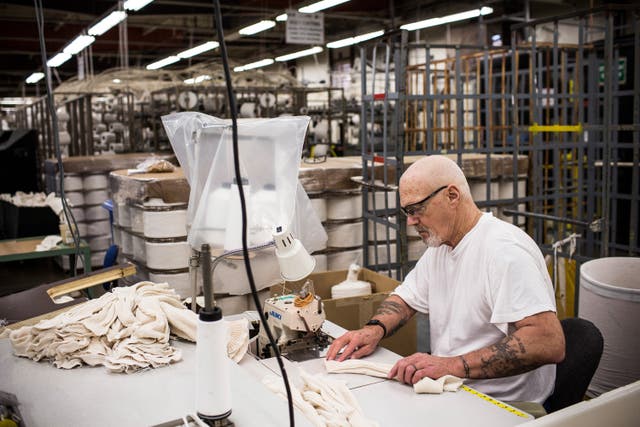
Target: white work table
x,y
94,397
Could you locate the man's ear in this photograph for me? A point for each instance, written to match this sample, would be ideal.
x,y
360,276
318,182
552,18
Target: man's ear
x,y
453,194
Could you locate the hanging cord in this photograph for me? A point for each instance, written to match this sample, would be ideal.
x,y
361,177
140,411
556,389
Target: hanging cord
x,y
557,247
68,214
236,164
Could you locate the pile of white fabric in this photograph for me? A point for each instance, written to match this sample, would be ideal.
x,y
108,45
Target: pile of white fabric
x,y
125,330
325,402
25,199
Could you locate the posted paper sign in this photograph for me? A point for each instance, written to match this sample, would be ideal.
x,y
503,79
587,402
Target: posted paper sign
x,y
305,28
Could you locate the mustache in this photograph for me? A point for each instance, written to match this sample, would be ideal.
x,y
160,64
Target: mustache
x,y
421,229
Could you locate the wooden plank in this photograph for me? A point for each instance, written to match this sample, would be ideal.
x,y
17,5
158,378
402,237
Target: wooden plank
x,y
15,247
91,279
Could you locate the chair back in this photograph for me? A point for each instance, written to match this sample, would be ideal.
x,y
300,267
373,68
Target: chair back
x,y
584,345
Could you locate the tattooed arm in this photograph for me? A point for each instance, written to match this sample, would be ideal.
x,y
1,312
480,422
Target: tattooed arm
x,y
393,313
536,341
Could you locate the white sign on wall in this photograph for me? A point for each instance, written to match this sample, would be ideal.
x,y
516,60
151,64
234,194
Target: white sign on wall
x,y
305,28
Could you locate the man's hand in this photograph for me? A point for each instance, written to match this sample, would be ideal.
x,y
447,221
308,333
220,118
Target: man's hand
x,y
355,344
412,369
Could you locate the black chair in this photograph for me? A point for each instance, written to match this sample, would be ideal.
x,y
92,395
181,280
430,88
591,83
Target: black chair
x,y
584,345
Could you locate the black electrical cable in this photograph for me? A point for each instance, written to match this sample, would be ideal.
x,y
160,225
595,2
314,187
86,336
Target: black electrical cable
x,y
71,221
236,164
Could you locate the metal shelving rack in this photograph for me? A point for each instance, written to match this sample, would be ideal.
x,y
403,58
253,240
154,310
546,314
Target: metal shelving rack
x,y
560,111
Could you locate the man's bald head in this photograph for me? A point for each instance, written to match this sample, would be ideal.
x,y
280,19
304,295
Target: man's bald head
x,y
432,172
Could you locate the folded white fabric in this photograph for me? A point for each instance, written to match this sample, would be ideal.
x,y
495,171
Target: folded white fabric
x,y
323,401
374,369
125,330
48,243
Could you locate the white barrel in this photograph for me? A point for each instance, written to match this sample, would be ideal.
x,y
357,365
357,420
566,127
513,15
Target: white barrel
x,y
610,298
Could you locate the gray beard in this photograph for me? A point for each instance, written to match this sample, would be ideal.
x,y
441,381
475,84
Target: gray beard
x,y
433,241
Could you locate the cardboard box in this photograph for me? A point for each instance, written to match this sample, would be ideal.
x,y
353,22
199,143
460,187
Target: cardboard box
x,y
354,312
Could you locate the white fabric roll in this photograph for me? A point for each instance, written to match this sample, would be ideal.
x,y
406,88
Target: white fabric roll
x,y
96,197
95,182
96,213
124,215
344,235
165,223
346,207
167,256
75,198
342,260
99,243
98,228
63,115
320,207
321,263
109,118
99,127
139,249
72,182
137,224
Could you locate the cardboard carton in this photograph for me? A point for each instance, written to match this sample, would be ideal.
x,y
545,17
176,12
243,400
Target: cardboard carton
x,y
354,312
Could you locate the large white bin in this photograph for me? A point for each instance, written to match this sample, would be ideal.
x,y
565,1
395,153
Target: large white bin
x,y
610,298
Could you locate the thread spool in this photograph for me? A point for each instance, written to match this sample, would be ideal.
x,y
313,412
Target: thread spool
x,y
107,138
248,110
116,127
99,127
62,114
117,147
64,137
110,118
96,116
213,382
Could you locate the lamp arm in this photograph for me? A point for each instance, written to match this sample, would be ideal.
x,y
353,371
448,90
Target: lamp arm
x,y
210,266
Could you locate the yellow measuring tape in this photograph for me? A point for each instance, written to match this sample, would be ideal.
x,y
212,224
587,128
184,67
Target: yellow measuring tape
x,y
535,128
495,402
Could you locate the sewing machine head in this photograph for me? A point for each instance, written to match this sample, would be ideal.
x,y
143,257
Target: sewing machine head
x,y
295,321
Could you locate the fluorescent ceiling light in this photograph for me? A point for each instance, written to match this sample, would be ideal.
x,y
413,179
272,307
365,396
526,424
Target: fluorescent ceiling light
x,y
447,19
196,80
58,60
198,49
299,54
281,18
256,28
35,78
258,64
136,5
116,81
108,22
79,44
163,62
15,101
353,40
321,5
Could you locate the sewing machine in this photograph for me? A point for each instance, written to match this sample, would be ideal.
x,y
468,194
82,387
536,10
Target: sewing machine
x,y
295,321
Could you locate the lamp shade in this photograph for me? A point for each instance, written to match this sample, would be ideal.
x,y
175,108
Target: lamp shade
x,y
294,260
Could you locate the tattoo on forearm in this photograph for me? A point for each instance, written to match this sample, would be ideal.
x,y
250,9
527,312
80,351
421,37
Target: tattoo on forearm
x,y
466,367
508,358
393,308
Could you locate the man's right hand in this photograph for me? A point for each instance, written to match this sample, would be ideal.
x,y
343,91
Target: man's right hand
x,y
355,344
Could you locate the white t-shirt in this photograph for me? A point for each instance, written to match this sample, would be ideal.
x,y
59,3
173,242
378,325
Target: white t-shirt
x,y
495,276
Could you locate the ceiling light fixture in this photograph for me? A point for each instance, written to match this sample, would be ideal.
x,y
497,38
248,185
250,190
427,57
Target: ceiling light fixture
x,y
281,18
58,60
198,49
354,40
321,5
299,54
35,78
136,5
257,64
432,22
108,22
163,62
256,28
196,80
78,44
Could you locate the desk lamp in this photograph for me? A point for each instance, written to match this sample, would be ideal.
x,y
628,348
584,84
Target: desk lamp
x,y
213,400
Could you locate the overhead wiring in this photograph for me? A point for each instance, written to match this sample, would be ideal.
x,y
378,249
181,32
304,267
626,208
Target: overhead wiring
x,y
236,164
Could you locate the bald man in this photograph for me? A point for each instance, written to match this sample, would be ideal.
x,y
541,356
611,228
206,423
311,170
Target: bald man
x,y
485,286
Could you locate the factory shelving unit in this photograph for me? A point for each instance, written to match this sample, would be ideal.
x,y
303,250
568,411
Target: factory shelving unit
x,y
555,118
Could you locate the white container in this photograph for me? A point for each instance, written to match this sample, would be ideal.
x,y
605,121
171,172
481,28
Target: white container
x,y
610,298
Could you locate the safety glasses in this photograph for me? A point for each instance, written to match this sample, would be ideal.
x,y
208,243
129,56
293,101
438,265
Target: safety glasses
x,y
417,208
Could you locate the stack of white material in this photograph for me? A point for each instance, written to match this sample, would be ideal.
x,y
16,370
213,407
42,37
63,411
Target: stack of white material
x,y
323,401
126,330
